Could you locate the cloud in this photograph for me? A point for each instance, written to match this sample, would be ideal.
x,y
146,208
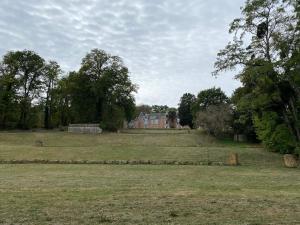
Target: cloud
x,y
168,45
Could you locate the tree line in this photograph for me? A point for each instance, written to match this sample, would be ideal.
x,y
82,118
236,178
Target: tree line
x,y
35,93
266,46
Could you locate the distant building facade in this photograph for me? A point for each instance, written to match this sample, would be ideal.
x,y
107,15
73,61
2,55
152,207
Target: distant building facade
x,y
151,121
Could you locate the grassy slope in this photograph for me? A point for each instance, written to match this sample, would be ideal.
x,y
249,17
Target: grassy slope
x,y
64,146
255,193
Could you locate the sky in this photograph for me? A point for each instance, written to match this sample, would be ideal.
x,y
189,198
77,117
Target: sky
x,y
169,46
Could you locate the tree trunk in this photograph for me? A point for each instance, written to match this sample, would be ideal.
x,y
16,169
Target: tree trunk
x,y
288,122
295,117
25,105
46,119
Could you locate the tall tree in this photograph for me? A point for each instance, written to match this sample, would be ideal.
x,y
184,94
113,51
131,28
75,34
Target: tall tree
x,y
172,117
30,91
51,75
185,110
208,97
118,97
63,102
243,114
212,111
102,90
27,68
267,62
8,97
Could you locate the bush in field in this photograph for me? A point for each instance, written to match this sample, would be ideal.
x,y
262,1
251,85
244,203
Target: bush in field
x,y
185,110
113,118
216,119
274,135
243,114
172,118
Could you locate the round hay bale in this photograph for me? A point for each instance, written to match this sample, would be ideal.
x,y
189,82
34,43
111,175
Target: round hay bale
x,y
290,161
233,159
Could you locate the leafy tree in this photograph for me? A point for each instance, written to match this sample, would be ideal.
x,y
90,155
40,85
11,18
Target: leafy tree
x,y
209,97
160,108
274,133
215,119
63,102
102,85
267,60
82,99
31,94
118,94
8,95
212,112
51,74
185,110
243,114
27,68
172,117
142,108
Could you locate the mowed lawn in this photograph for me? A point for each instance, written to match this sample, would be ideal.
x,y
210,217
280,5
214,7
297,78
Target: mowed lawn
x,y
260,191
142,145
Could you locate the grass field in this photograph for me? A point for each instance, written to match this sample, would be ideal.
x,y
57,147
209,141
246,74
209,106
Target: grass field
x,y
138,146
261,191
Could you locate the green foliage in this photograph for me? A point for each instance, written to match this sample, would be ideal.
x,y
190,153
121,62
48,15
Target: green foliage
x,y
113,118
101,91
185,110
63,102
216,120
21,75
160,108
51,75
32,95
275,135
206,111
172,117
8,99
209,97
283,141
243,113
142,109
270,66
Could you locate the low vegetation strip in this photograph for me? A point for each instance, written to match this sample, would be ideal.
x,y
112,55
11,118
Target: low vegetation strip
x,y
116,162
155,131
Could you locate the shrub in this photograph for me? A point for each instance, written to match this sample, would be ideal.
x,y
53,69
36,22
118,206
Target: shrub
x,y
113,118
216,119
282,141
274,135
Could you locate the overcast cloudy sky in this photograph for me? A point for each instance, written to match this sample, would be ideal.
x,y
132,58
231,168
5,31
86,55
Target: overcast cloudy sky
x,y
169,46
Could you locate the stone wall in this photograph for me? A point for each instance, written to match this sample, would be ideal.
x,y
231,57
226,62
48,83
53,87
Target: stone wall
x,y
85,128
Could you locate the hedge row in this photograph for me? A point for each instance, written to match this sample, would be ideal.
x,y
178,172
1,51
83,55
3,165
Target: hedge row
x,y
113,162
